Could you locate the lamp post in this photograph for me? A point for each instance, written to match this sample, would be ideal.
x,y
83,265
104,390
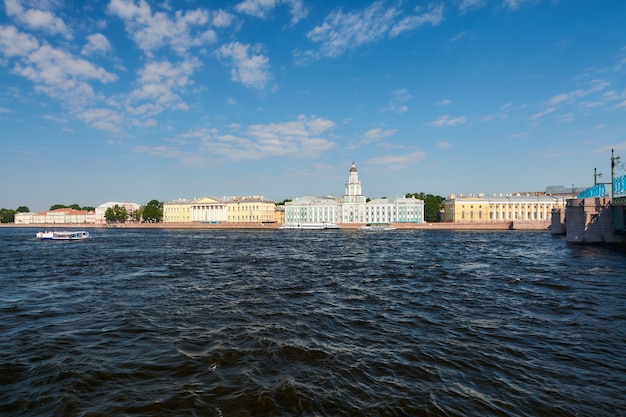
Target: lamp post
x,y
596,175
614,161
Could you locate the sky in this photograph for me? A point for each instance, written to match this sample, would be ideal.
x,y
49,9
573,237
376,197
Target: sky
x,y
130,101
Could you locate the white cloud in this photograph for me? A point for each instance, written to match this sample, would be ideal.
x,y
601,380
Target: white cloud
x,y
60,75
222,19
298,138
470,4
539,115
443,102
433,16
16,43
567,117
101,119
249,69
447,120
377,134
96,43
342,31
398,161
444,145
596,85
515,4
263,8
256,8
396,104
37,19
152,31
160,83
458,36
295,139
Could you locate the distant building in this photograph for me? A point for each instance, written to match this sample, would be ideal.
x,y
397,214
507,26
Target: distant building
x,y
499,208
309,209
400,210
248,209
177,211
57,216
101,210
253,209
353,207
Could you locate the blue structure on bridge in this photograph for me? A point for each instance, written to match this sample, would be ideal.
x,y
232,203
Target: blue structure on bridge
x,y
593,192
619,186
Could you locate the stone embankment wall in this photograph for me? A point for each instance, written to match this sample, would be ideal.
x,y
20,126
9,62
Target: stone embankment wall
x,y
590,220
528,225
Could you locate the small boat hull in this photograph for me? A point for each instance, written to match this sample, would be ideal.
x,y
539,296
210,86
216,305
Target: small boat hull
x,y
63,235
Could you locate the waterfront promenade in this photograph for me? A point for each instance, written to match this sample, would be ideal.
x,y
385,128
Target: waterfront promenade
x,y
521,225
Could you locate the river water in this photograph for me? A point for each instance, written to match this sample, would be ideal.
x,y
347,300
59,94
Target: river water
x,y
310,323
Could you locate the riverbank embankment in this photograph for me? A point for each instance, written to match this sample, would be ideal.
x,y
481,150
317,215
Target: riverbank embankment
x,y
527,225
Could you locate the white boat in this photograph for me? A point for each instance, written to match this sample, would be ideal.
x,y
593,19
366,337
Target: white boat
x,y
377,227
63,235
309,226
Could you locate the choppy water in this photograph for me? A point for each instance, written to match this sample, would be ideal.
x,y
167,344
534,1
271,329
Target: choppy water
x,y
312,323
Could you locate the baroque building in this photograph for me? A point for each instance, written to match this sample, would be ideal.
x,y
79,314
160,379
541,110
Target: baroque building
x,y
353,207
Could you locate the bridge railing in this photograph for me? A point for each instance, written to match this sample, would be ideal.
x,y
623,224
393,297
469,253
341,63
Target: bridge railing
x,y
593,192
619,186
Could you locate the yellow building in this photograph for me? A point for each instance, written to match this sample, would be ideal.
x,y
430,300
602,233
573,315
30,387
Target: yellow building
x,y
253,209
177,211
203,210
514,207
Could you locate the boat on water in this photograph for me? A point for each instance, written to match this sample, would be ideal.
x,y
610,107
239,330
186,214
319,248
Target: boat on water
x,y
309,226
63,235
377,227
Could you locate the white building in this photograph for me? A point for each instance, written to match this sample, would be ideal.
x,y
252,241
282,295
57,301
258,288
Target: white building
x,y
311,209
101,210
400,210
57,216
353,207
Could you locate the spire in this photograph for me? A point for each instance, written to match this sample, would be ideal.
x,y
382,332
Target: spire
x,y
353,169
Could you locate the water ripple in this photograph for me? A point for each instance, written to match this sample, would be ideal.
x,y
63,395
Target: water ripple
x,y
282,323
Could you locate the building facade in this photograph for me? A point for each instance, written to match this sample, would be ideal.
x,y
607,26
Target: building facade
x,y
353,207
400,210
311,209
254,209
208,210
57,216
101,210
515,207
177,211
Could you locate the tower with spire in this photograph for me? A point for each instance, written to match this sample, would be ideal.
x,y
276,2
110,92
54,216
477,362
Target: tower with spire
x,y
353,202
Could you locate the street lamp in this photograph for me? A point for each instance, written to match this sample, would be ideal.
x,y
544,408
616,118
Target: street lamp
x,y
614,161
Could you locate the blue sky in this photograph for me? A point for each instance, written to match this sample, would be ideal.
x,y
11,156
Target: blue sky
x,y
126,100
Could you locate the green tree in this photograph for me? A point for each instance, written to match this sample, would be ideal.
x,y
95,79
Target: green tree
x,y
433,204
7,215
116,214
136,215
22,209
152,212
57,206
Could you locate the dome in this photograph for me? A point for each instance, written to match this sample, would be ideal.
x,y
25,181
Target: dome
x,y
353,169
